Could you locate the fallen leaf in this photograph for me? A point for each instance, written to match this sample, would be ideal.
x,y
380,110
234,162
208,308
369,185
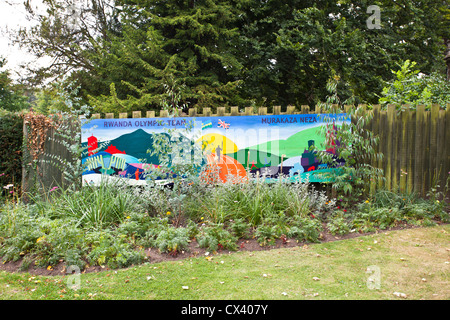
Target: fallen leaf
x,y
400,294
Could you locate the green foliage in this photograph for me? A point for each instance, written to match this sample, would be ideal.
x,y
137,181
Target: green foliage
x,y
11,139
172,240
115,252
215,237
96,206
412,88
235,52
18,232
305,229
353,143
337,224
12,97
240,228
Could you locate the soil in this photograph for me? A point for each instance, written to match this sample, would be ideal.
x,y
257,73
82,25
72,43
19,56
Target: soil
x,y
154,256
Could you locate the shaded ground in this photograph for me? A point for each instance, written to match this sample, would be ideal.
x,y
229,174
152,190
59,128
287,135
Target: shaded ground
x,y
154,256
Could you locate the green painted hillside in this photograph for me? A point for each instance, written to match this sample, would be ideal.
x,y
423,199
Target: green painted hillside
x,y
293,146
258,158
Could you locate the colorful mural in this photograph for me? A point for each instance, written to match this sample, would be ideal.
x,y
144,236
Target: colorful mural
x,y
270,145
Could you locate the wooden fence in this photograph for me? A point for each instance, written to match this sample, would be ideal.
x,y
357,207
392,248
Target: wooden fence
x,y
415,143
416,147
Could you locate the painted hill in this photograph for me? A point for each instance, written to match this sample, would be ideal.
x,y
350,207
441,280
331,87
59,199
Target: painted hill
x,y
134,144
292,146
257,158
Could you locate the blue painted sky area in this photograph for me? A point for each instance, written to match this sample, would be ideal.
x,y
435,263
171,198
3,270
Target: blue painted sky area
x,y
243,130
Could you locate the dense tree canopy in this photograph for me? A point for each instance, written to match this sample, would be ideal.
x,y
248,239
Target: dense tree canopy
x,y
12,97
125,54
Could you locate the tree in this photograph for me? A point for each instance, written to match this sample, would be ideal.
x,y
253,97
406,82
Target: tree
x,y
174,43
410,87
124,53
71,33
291,49
12,97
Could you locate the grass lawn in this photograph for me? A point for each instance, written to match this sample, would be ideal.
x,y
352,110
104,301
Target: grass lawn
x,y
413,262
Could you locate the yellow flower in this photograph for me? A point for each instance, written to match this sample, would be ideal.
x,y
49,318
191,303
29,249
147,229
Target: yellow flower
x,y
128,217
40,239
49,268
168,213
367,201
201,218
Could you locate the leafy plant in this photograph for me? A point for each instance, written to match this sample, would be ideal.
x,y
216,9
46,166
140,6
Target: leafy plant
x,y
172,240
305,229
112,251
412,88
97,206
338,224
215,237
353,144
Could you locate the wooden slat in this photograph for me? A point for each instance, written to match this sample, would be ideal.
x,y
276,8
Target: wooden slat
x,y
207,112
419,149
304,109
262,111
375,131
395,173
411,150
446,156
383,146
403,148
434,117
276,110
137,114
389,148
440,142
220,111
426,154
290,110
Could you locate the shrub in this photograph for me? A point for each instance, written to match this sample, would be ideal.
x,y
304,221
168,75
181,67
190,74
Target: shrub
x,y
61,240
338,224
240,228
305,229
266,234
113,251
215,237
172,240
11,139
96,206
18,232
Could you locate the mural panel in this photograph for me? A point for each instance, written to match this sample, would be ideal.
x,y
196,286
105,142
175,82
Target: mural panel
x,y
271,145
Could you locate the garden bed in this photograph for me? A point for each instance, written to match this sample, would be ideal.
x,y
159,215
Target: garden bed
x,y
155,256
96,228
